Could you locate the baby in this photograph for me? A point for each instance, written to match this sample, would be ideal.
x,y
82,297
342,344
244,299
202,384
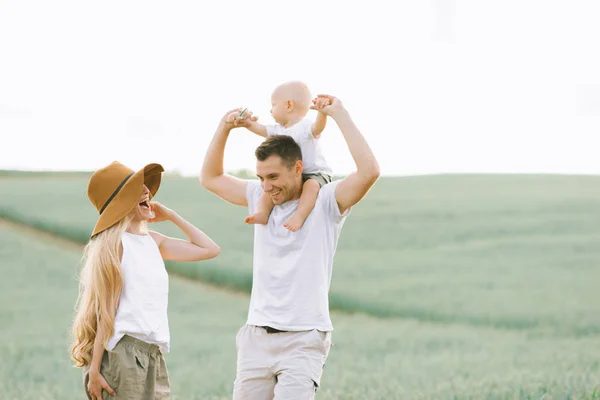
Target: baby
x,y
290,103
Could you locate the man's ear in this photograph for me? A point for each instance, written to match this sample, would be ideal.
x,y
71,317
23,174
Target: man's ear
x,y
298,167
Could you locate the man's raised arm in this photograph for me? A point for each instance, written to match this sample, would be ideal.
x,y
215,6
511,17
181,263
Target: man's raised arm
x,y
212,177
356,185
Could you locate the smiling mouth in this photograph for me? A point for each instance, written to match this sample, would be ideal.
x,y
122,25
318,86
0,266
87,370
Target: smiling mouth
x,y
275,194
145,204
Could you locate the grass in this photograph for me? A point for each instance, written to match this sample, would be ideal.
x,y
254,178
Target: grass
x,y
481,250
371,358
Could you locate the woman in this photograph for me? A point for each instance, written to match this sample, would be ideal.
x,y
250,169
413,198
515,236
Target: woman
x,y
121,328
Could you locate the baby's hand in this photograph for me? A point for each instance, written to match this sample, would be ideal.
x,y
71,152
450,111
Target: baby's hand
x,y
328,105
320,102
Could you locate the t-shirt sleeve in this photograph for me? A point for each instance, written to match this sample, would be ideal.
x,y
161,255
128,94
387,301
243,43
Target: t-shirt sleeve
x,y
274,129
327,200
253,193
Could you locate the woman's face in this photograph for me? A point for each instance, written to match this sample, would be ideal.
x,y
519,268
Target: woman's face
x,y
142,211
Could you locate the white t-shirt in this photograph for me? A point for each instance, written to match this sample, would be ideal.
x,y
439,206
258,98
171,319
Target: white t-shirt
x,y
312,156
142,311
292,270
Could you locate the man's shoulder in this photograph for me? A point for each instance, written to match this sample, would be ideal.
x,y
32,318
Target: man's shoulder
x,y
328,189
328,203
253,190
327,194
253,185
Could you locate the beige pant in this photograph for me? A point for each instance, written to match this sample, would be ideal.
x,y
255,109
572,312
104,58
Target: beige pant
x,y
286,365
323,179
135,370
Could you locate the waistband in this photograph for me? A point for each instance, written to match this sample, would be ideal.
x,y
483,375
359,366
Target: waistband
x,y
149,348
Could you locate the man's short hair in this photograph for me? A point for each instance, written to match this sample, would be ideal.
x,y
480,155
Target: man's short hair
x,y
279,145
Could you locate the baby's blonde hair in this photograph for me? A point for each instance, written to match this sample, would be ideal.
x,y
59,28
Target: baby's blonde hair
x,y
296,91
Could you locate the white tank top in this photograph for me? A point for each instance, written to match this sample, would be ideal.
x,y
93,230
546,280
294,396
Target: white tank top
x,y
142,311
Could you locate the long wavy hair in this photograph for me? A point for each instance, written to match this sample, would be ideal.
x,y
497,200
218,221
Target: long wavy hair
x,y
100,287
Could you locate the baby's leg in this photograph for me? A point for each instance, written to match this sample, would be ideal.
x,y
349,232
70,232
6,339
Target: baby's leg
x,y
308,198
261,216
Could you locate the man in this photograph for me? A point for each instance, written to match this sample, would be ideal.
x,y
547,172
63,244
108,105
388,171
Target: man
x,y
285,342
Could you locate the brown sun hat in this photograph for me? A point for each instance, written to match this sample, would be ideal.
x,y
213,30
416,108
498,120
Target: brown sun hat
x,y
116,189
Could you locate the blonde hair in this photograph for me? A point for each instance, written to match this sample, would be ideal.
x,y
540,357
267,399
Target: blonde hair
x,y
100,287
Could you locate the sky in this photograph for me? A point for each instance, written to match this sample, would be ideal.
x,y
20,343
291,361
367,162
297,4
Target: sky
x,y
435,86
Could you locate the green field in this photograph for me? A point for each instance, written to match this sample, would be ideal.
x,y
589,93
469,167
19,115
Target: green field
x,y
474,286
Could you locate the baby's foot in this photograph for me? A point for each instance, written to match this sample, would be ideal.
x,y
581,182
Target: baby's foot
x,y
294,223
257,218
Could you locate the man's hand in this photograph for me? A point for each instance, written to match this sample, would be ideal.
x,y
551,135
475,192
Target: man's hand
x,y
96,384
328,105
233,119
320,102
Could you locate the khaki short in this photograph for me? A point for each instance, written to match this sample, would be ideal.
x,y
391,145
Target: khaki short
x,y
279,365
319,177
135,370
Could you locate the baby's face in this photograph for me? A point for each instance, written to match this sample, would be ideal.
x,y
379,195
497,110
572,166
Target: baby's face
x,y
279,109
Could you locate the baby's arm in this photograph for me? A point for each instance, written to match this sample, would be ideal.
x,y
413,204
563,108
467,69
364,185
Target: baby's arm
x,y
319,125
257,128
252,126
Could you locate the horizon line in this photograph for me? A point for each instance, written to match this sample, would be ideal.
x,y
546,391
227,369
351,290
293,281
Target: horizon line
x,y
249,173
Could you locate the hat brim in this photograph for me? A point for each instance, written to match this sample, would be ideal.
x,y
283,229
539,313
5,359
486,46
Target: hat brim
x,y
129,196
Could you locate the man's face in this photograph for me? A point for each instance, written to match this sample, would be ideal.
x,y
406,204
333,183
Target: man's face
x,y
279,181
